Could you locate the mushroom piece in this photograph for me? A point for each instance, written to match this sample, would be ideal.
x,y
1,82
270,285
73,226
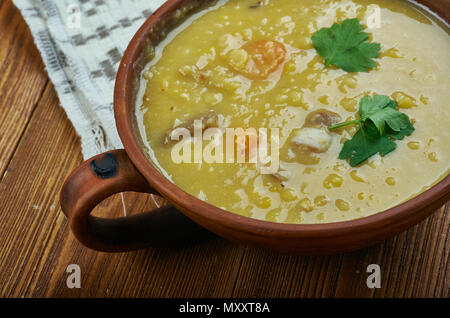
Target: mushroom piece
x,y
322,118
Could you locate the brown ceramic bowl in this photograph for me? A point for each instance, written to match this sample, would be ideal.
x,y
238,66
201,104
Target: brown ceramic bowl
x,y
131,170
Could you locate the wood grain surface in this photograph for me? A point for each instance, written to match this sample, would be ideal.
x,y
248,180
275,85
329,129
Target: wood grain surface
x,y
39,148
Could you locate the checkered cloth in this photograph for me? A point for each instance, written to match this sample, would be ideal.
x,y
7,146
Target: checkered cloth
x,y
81,43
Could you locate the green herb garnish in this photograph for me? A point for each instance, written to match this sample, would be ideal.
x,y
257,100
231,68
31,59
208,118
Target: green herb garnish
x,y
380,124
345,46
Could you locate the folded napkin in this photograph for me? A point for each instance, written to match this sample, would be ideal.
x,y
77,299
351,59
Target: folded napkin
x,y
81,43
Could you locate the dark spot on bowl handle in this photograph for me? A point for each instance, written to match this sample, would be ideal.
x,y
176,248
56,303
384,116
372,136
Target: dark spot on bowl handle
x,y
105,166
101,177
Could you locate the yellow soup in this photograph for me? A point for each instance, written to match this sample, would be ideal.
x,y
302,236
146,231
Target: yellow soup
x,y
251,64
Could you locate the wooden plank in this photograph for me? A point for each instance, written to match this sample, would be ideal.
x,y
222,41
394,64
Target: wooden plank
x,y
22,79
36,245
417,264
413,264
265,274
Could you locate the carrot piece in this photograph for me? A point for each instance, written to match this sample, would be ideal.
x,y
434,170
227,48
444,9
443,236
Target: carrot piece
x,y
264,57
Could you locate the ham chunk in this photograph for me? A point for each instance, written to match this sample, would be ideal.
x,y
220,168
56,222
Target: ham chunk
x,y
317,139
209,120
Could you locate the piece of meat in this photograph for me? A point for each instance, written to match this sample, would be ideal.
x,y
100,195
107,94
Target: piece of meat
x,y
209,120
317,139
313,138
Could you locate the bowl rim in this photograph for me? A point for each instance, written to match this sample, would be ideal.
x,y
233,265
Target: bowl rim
x,y
196,208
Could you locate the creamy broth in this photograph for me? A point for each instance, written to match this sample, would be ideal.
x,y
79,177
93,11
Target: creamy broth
x,y
197,73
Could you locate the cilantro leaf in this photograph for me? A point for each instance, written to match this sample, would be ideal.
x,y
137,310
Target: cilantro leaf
x,y
361,147
399,135
345,46
380,124
369,105
376,113
381,111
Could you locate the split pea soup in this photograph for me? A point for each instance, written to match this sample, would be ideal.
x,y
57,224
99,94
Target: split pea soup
x,y
252,64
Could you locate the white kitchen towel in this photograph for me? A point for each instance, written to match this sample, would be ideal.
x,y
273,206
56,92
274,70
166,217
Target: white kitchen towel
x,y
81,43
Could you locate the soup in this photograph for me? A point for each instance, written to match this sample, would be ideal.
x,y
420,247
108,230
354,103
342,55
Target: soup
x,y
200,78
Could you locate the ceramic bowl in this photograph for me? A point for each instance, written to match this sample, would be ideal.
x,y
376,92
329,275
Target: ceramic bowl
x,y
130,169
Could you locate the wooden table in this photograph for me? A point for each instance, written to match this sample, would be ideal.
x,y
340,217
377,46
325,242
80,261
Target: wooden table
x,y
39,148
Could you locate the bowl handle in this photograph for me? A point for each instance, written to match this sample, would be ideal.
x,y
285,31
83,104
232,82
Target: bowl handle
x,y
97,179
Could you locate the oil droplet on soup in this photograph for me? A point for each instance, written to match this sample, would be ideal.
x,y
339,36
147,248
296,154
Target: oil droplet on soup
x,y
238,65
390,181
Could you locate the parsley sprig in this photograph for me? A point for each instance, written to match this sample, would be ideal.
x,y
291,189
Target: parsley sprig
x,y
380,124
346,46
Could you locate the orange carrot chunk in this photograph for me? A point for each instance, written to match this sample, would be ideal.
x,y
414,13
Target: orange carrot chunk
x,y
263,58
